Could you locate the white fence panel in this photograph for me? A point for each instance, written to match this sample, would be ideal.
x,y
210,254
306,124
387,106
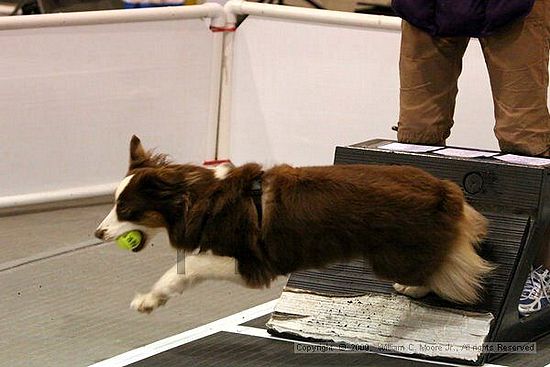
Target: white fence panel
x,y
73,91
300,88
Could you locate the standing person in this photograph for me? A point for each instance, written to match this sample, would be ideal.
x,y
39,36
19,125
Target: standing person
x,y
515,39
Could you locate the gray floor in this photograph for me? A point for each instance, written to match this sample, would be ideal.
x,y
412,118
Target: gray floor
x,y
65,301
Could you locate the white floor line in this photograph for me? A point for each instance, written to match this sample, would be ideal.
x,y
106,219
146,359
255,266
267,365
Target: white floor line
x,y
162,345
262,333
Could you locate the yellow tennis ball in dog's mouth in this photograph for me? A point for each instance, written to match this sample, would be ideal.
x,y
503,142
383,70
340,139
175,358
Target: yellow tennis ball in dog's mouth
x,y
130,240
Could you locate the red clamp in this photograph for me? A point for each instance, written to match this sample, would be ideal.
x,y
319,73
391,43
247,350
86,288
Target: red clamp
x,y
223,29
216,162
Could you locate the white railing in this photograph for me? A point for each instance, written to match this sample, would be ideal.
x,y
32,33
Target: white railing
x,y
209,10
234,7
79,193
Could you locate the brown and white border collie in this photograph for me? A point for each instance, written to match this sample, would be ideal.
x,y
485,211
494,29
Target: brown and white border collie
x,y
414,229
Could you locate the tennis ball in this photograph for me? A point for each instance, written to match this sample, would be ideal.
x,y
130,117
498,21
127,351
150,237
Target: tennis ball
x,y
130,240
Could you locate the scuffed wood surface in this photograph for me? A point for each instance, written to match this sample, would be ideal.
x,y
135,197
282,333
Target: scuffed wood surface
x,y
387,323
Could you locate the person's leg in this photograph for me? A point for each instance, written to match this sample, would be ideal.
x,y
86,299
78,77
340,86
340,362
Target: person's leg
x,y
429,68
517,60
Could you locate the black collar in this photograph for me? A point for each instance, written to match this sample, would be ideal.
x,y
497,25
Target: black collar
x,y
256,193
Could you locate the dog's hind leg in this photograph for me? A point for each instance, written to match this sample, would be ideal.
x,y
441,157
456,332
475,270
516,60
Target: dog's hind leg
x,y
411,291
198,268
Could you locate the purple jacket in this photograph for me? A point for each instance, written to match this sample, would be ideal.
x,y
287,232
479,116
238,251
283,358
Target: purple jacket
x,y
474,18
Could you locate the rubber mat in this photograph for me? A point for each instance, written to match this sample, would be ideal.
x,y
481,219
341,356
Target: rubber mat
x,y
232,350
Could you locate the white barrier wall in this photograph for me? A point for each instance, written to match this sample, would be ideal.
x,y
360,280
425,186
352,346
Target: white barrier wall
x,y
75,87
71,97
302,88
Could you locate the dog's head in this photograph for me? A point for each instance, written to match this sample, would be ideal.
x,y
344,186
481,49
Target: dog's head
x,y
154,195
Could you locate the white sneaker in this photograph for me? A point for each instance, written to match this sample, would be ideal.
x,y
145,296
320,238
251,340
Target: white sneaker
x,y
535,295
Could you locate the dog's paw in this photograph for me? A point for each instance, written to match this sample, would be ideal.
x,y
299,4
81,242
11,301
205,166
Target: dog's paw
x,y
411,291
146,303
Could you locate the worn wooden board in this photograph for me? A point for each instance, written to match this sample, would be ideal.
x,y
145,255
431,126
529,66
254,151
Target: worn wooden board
x,y
385,322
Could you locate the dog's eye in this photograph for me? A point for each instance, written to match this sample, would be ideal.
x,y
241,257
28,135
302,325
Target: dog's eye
x,y
125,213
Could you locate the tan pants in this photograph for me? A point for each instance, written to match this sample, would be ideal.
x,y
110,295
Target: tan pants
x,y
517,60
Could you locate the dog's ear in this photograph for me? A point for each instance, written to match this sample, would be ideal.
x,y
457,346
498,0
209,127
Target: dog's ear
x,y
138,155
141,158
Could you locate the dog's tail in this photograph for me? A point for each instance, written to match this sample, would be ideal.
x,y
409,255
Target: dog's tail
x,y
460,277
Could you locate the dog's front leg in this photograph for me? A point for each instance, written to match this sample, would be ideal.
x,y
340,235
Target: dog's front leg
x,y
197,268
